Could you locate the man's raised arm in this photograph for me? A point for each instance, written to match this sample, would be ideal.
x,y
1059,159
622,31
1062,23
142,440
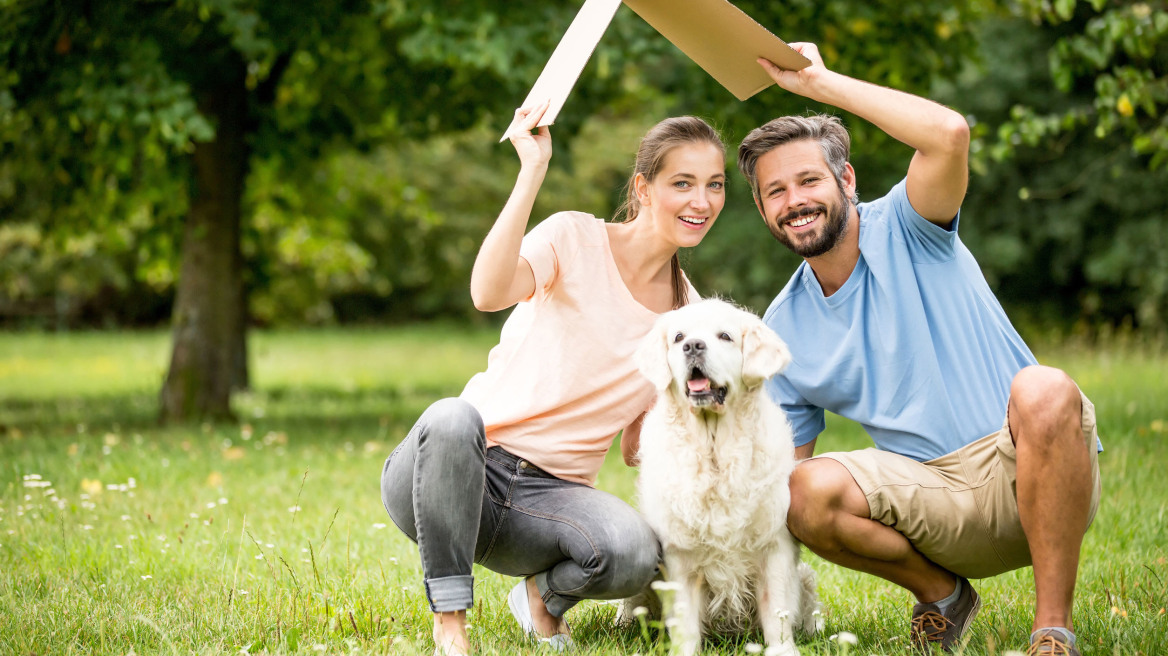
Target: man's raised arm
x,y
939,172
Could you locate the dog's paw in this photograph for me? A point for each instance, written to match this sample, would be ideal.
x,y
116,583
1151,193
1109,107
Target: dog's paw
x,y
813,622
645,605
785,648
810,610
625,614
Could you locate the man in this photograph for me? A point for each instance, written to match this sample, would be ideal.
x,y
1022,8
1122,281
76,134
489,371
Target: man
x,y
985,461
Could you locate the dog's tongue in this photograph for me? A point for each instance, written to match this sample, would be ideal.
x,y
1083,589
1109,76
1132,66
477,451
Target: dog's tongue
x,y
699,385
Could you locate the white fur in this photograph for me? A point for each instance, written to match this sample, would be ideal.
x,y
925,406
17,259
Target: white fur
x,y
713,479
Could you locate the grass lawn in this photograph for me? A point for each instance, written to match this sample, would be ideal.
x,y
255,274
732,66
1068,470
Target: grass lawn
x,y
118,535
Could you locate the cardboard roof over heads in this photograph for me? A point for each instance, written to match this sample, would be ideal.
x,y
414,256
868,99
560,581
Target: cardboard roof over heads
x,y
718,36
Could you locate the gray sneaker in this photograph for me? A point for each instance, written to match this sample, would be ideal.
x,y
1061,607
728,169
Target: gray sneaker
x,y
932,627
1050,643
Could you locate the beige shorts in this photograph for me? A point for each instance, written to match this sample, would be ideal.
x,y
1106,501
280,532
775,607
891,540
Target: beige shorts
x,y
959,510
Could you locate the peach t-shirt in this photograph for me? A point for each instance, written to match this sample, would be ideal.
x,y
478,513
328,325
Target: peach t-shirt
x,y
562,382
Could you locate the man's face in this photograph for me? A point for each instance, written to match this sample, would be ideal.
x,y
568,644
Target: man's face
x,y
801,202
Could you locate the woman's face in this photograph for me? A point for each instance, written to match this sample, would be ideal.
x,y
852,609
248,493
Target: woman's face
x,y
687,194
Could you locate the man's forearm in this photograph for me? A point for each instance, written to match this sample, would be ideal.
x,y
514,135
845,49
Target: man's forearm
x,y
924,125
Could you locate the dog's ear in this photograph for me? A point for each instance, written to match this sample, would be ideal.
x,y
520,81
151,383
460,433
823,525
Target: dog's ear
x,y
764,354
652,356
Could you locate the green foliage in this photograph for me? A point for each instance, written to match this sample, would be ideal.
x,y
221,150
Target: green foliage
x,y
101,105
394,232
1068,226
1120,51
100,108
91,191
374,171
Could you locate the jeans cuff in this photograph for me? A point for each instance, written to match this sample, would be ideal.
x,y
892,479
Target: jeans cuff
x,y
555,604
450,593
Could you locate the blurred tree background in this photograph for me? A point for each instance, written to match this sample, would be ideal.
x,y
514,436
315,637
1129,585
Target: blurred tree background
x,y
340,164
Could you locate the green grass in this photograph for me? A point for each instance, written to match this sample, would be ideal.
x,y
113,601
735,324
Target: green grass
x,y
119,535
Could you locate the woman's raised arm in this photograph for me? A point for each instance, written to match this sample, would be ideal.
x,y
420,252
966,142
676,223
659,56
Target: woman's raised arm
x,y
500,277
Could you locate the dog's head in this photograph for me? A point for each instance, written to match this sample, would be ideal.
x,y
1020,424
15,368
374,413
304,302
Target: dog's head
x,y
709,352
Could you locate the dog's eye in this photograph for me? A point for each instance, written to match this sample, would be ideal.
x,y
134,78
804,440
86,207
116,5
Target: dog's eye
x,y
678,337
725,337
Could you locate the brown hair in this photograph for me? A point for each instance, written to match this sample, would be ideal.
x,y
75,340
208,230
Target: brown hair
x,y
828,131
655,145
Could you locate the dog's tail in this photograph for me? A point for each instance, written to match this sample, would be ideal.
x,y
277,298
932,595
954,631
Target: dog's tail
x,y
810,616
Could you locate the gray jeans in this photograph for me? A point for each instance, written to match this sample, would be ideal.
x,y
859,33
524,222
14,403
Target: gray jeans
x,y
463,504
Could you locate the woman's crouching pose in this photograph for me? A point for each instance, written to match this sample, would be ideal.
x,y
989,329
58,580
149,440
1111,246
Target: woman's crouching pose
x,y
503,475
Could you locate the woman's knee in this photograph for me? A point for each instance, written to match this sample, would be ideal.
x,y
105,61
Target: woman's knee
x,y
641,556
446,447
627,556
452,423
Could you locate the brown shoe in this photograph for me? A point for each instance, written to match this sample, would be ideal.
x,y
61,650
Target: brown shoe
x,y
1050,643
932,627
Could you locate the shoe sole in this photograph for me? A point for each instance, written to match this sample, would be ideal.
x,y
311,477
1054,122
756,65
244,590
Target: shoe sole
x,y
969,620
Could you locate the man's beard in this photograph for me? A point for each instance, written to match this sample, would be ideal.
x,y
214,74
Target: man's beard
x,y
834,227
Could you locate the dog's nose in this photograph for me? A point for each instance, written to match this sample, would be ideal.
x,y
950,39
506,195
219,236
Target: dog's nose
x,y
693,347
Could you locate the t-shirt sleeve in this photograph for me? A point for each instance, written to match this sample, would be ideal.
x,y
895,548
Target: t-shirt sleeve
x,y
927,241
806,420
542,248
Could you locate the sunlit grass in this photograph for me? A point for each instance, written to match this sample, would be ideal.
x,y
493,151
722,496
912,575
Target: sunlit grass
x,y
268,533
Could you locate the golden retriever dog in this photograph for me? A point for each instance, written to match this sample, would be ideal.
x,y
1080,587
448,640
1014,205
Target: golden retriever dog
x,y
715,457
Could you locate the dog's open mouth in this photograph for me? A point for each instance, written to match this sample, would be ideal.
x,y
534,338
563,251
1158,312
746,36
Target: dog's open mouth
x,y
703,393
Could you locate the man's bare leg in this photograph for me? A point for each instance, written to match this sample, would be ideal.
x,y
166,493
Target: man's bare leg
x,y
829,513
1054,485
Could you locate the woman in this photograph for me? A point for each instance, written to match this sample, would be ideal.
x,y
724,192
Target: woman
x,y
504,474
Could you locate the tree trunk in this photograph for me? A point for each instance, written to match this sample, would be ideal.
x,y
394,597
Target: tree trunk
x,y
209,357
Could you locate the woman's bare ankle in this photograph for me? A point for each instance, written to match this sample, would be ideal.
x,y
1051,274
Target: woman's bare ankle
x,y
546,624
450,637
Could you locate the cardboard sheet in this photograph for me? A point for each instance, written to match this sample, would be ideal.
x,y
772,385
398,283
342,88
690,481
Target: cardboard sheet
x,y
721,39
718,36
563,68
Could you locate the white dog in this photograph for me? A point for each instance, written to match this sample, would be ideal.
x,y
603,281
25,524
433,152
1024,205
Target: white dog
x,y
716,455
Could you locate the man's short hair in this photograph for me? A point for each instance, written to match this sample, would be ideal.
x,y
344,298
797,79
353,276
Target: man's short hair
x,y
828,131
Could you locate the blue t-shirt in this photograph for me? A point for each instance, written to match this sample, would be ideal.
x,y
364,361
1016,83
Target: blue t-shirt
x,y
914,346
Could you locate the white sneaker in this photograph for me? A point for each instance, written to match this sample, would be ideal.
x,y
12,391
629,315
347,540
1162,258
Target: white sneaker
x,y
519,604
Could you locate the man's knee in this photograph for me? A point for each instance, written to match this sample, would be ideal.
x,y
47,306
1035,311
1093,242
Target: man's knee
x,y
1045,406
820,489
1038,389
